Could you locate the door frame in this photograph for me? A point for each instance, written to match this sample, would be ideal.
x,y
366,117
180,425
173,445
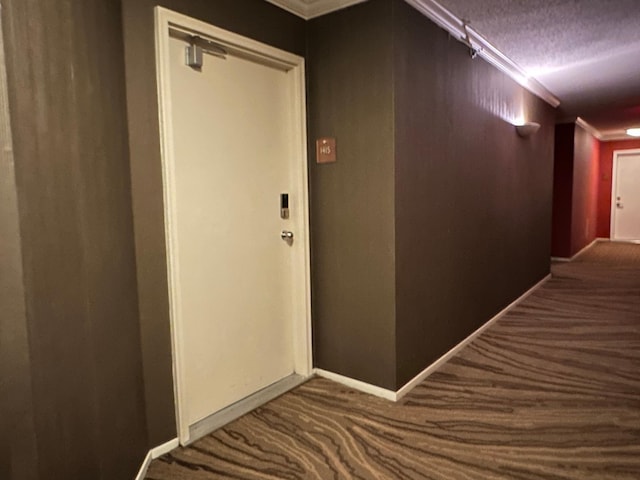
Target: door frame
x,y
617,154
164,18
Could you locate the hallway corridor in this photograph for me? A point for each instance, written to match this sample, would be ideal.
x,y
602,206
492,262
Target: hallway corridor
x,y
550,391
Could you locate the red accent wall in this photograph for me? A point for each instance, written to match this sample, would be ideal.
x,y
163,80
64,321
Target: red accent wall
x,y
605,175
575,190
584,212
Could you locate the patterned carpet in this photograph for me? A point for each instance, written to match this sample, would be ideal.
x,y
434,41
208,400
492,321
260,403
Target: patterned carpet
x,y
550,391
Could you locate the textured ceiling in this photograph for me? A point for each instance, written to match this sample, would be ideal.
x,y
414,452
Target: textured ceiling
x,y
586,52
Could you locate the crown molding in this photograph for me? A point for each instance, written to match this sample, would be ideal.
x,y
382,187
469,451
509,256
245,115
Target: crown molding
x,y
589,128
467,35
314,9
609,137
445,19
600,135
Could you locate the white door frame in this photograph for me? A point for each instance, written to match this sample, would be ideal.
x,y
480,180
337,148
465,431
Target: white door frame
x,y
614,180
301,275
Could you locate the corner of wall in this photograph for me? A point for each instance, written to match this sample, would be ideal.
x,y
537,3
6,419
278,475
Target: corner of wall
x,y
349,68
584,216
19,455
564,147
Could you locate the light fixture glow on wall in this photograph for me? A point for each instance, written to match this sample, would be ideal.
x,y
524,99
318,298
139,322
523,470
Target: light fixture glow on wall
x,y
527,129
633,132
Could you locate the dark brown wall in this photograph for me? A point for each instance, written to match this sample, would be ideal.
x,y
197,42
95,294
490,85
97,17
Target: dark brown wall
x,y
18,455
585,189
67,99
562,190
252,18
473,200
350,98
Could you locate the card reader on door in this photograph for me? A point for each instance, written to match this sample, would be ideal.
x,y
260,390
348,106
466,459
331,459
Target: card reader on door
x,y
284,205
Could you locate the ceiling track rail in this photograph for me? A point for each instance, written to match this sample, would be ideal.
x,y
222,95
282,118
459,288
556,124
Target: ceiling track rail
x,y
480,46
461,30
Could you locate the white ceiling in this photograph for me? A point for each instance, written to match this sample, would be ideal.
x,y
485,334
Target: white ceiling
x,y
313,8
585,52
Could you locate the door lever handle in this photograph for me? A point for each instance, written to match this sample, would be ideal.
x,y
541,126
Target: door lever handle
x,y
286,235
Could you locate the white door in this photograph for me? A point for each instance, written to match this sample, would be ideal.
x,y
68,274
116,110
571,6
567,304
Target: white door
x,y
625,218
239,290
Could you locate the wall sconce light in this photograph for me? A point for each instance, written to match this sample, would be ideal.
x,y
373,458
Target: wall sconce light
x,y
633,132
527,129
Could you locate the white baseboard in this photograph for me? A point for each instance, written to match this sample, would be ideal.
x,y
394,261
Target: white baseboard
x,y
164,448
357,384
586,248
636,242
395,396
570,259
219,419
447,356
373,389
156,453
145,466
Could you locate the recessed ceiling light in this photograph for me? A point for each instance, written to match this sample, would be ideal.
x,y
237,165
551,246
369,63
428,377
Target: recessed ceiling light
x,y
633,132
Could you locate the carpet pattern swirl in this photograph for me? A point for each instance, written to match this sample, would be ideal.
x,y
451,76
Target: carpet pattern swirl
x,y
549,391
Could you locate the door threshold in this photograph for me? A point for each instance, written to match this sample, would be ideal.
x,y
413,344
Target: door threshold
x,y
227,415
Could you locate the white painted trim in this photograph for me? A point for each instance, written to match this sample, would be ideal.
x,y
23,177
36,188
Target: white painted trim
x,y
614,183
455,350
357,384
445,19
231,413
610,137
612,206
395,396
600,135
156,453
455,26
635,242
166,150
584,249
314,9
589,128
145,466
294,64
302,335
164,448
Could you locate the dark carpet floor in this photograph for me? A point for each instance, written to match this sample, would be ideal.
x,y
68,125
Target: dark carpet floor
x,y
550,391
